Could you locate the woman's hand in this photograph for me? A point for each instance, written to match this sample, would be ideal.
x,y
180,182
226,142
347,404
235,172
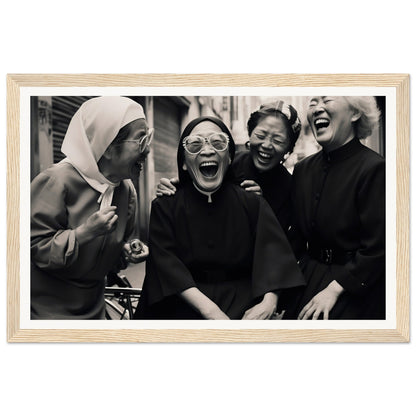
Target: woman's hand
x,y
133,256
203,304
99,223
263,310
323,302
251,186
216,314
166,186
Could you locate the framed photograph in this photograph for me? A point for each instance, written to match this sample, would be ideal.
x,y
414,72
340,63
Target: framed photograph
x,y
278,255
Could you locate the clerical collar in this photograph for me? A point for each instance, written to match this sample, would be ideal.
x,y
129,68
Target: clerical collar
x,y
208,194
343,152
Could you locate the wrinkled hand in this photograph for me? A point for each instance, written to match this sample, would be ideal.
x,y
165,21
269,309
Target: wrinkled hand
x,y
251,186
323,302
99,223
166,186
135,257
263,310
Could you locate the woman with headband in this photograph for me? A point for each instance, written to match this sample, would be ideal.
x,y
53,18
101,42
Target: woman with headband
x,y
216,251
273,130
83,209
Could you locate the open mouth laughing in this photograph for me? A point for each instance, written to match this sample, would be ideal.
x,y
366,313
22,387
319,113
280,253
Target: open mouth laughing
x,y
138,165
264,157
208,169
321,124
136,169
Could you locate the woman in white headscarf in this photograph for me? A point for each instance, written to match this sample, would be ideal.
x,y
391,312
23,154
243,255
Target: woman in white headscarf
x,y
83,209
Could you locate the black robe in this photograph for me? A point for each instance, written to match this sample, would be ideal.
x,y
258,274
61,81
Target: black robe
x,y
276,185
339,204
232,249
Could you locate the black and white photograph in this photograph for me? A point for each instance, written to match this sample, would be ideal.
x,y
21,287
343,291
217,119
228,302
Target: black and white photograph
x,y
209,208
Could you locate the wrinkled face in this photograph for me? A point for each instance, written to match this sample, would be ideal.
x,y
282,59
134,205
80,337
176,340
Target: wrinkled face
x,y
269,142
331,120
126,158
208,167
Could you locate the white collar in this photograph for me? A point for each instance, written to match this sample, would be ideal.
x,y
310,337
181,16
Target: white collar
x,y
208,194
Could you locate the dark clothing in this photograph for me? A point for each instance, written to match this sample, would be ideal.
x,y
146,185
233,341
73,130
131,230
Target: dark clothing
x,y
339,205
232,249
275,184
68,280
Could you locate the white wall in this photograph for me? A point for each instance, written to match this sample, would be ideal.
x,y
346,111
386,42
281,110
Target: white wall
x,y
129,37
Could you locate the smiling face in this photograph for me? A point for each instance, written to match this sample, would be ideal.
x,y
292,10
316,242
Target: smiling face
x,y
208,167
332,121
269,142
124,157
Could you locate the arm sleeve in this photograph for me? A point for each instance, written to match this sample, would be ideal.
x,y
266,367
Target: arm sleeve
x,y
53,246
274,264
368,265
166,274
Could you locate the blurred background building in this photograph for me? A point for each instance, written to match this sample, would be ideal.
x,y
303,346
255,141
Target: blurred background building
x,y
168,115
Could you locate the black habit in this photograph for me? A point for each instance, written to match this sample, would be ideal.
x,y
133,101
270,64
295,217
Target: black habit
x,y
232,249
339,231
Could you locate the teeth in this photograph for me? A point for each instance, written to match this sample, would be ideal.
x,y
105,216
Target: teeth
x,y
203,164
321,122
139,165
265,155
209,168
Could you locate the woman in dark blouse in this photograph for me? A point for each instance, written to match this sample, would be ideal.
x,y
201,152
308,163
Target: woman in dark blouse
x,y
216,251
339,211
273,130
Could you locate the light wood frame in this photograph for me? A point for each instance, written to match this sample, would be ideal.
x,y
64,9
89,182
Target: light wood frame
x,y
398,81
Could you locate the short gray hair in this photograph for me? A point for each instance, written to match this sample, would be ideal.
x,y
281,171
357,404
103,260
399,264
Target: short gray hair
x,y
370,115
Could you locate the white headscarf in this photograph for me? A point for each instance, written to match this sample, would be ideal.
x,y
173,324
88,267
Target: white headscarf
x,y
91,130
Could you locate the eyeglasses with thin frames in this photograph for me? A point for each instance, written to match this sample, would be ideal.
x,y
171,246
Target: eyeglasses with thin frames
x,y
143,141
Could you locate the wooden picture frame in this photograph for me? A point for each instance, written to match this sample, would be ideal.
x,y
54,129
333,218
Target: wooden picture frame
x,y
398,331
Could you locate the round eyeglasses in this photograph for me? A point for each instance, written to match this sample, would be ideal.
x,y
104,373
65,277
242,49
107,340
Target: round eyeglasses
x,y
194,144
143,141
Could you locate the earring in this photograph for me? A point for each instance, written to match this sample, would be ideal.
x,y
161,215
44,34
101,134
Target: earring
x,y
247,144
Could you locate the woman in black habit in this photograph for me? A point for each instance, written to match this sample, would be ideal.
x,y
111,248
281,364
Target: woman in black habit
x,y
273,130
216,251
339,210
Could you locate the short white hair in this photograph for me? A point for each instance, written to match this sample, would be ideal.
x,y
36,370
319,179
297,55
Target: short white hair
x,y
370,115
